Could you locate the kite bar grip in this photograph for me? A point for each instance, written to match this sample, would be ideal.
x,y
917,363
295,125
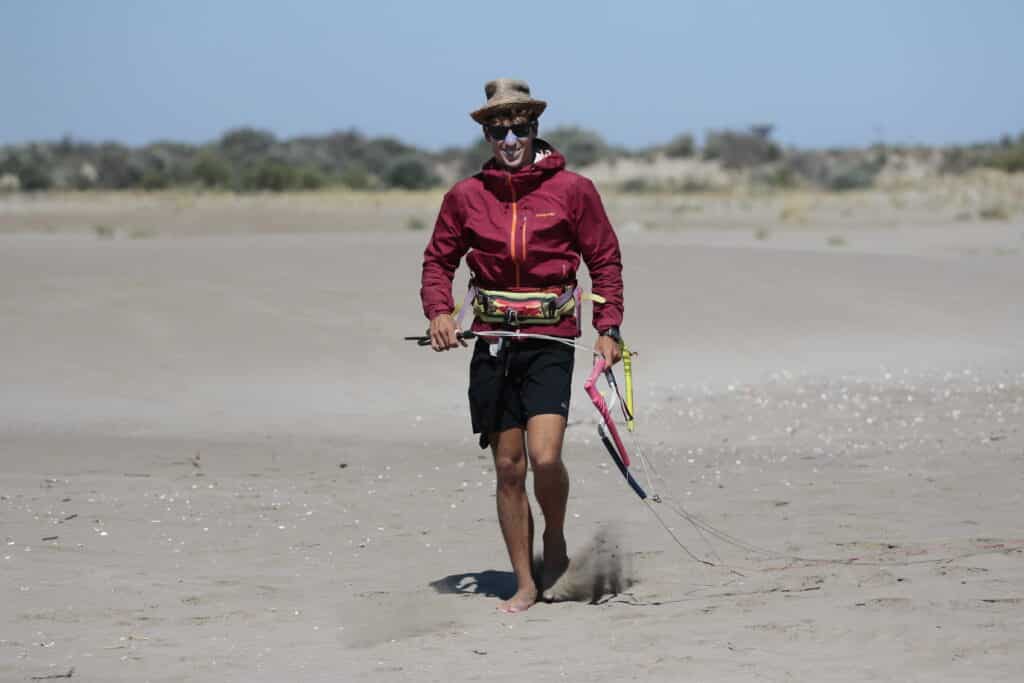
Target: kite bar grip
x,y
595,396
424,340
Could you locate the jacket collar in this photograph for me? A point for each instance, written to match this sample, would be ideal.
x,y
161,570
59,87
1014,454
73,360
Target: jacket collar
x,y
526,178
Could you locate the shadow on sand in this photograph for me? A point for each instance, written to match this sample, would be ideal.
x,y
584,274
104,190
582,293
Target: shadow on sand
x,y
490,582
597,571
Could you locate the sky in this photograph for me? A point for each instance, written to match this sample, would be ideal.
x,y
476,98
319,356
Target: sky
x,y
824,73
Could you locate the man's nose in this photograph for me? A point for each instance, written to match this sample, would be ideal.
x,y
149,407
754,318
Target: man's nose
x,y
510,138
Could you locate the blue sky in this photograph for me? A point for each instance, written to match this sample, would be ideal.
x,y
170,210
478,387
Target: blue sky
x,y
825,73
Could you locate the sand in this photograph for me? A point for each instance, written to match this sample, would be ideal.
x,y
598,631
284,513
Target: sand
x,y
220,461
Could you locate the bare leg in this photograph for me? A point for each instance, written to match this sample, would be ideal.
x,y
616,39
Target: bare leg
x,y
545,434
514,514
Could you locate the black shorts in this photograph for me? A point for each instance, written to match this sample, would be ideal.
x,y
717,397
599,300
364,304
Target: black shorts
x,y
538,382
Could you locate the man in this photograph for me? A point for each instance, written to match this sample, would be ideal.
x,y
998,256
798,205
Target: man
x,y
525,222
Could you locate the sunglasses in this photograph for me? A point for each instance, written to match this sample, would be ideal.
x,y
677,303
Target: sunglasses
x,y
521,130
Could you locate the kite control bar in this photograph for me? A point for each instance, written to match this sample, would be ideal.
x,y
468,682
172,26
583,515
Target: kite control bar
x,y
424,340
607,430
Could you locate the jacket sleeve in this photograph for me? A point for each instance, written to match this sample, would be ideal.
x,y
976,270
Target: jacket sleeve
x,y
600,250
441,259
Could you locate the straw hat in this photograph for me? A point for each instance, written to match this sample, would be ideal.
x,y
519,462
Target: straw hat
x,y
508,95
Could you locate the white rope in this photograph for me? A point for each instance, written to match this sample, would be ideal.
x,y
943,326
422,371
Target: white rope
x,y
533,335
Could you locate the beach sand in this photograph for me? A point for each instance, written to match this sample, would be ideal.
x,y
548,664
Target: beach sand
x,y
220,462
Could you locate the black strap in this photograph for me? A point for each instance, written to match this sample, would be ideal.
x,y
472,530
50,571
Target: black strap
x,y
504,358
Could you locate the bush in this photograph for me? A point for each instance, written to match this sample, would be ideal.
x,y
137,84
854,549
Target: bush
x,y
1010,159
246,145
579,147
9,182
735,149
855,176
775,176
86,177
957,160
311,179
270,175
380,155
474,157
211,170
31,166
34,177
638,185
680,146
154,179
410,173
356,177
116,168
839,170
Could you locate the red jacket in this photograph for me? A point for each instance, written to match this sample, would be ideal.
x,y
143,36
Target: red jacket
x,y
524,229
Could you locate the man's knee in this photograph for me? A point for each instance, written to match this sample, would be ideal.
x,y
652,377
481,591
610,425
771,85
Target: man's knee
x,y
546,460
510,473
510,465
545,435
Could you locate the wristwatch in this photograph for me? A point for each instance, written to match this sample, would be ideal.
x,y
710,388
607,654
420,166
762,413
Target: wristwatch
x,y
612,332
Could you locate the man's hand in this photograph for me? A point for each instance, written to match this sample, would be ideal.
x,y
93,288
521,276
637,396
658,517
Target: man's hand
x,y
608,349
444,333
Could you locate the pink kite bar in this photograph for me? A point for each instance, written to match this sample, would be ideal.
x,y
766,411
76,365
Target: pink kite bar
x,y
602,407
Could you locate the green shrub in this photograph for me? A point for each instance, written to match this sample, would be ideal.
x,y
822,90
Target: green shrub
x,y
855,175
775,176
580,147
246,145
380,155
737,149
31,165
211,170
1010,160
690,184
356,177
154,179
680,146
474,157
410,173
116,168
34,176
311,179
994,212
838,170
638,185
271,175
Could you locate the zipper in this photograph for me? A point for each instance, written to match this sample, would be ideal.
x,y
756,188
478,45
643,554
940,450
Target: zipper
x,y
512,232
522,256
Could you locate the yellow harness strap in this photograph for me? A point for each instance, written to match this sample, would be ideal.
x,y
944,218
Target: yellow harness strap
x,y
627,370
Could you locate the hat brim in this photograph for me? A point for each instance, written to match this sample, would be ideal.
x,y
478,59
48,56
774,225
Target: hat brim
x,y
484,114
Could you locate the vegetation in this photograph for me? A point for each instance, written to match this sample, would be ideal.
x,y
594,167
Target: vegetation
x,y
581,147
742,149
254,160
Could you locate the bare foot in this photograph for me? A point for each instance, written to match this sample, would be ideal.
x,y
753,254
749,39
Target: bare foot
x,y
524,599
556,563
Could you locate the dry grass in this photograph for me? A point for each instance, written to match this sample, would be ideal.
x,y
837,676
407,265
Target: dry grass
x,y
950,200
